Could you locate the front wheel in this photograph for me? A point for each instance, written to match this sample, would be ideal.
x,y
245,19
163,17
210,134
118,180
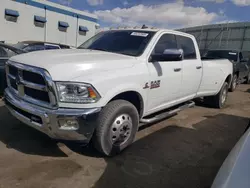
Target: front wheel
x,y
117,125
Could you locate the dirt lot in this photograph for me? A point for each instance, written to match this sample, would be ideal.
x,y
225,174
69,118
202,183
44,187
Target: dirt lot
x,y
183,151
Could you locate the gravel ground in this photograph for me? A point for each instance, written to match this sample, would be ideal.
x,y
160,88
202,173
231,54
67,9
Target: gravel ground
x,y
183,151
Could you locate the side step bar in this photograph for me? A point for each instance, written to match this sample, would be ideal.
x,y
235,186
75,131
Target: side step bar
x,y
167,114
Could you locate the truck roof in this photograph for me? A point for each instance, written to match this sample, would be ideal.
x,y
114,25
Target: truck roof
x,y
154,30
139,29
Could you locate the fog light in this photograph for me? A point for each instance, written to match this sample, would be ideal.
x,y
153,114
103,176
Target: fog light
x,y
68,124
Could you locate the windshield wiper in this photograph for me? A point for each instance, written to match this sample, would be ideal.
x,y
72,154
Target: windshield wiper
x,y
100,49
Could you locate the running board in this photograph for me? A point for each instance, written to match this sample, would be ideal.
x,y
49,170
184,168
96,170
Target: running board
x,y
167,114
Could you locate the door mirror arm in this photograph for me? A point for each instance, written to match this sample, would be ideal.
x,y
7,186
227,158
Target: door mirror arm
x,y
167,55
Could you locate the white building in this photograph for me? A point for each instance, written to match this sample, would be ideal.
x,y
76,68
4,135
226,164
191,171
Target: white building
x,y
41,20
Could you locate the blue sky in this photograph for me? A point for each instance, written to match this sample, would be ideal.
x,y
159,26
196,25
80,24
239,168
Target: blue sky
x,y
163,13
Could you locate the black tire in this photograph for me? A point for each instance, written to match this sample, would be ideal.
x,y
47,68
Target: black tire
x,y
216,101
234,83
247,79
115,109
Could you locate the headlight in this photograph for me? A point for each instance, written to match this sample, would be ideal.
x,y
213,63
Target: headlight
x,y
76,92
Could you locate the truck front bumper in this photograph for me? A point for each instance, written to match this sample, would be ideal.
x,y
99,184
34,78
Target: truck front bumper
x,y
62,123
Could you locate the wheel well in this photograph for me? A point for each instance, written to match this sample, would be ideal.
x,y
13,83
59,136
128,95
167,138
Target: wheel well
x,y
229,79
132,97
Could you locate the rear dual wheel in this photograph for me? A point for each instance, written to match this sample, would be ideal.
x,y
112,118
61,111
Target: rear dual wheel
x,y
234,83
219,100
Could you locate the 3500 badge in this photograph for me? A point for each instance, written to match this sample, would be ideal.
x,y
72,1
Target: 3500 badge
x,y
153,84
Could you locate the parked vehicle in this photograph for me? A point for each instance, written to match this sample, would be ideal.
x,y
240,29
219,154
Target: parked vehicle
x,y
6,51
234,172
31,46
241,66
115,80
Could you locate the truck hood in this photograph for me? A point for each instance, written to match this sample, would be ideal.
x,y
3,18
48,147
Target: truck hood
x,y
65,65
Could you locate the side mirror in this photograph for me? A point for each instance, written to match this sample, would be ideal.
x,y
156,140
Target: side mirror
x,y
168,55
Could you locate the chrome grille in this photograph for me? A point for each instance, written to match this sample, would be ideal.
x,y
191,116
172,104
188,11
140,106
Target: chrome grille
x,y
31,84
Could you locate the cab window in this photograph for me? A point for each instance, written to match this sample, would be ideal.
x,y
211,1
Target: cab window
x,y
167,41
187,45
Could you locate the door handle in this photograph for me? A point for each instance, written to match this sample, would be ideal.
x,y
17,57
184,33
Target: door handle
x,y
177,69
198,67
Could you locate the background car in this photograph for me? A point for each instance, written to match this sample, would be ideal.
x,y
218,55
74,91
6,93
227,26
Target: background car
x,y
240,64
30,46
6,51
234,172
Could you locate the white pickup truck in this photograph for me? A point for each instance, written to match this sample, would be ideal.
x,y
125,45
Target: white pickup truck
x,y
111,83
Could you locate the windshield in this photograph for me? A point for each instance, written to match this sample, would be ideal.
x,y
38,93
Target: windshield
x,y
127,42
222,54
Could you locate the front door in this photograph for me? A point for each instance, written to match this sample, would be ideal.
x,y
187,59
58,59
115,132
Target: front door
x,y
165,77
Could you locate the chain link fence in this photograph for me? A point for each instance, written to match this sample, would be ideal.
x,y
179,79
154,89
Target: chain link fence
x,y
235,36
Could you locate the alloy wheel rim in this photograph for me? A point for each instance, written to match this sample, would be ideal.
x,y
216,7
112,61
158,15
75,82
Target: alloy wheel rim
x,y
121,129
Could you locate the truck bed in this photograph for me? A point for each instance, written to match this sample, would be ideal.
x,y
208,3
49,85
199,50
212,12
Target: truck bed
x,y
214,71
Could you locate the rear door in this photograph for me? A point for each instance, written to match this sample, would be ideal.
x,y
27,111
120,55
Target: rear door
x,y
192,67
